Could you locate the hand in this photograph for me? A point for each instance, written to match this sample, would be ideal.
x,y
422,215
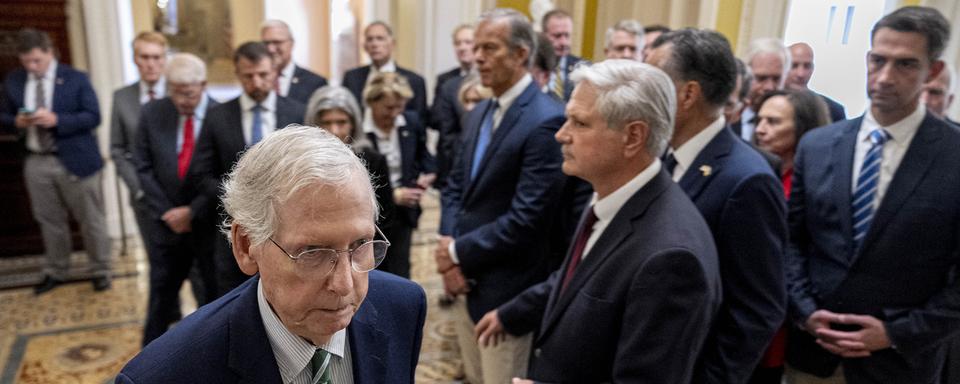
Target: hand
x,y
818,320
872,336
489,330
442,254
178,219
407,197
426,180
23,120
517,380
44,118
454,283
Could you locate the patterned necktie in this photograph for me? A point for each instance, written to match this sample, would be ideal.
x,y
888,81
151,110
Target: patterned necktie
x,y
186,150
557,87
483,138
44,135
256,131
320,367
866,191
583,234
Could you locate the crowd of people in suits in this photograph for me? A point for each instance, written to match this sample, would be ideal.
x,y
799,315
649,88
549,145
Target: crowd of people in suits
x,y
670,214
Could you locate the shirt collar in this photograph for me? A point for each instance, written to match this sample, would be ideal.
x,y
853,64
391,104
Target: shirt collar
x,y
51,72
508,97
247,103
159,88
201,110
899,131
607,207
287,71
370,127
687,153
390,66
292,352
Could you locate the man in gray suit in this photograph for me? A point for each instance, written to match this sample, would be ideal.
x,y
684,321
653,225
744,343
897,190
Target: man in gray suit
x,y
150,56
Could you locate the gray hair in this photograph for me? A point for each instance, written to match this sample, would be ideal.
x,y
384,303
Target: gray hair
x,y
628,91
521,31
185,68
770,45
274,23
334,97
280,165
630,26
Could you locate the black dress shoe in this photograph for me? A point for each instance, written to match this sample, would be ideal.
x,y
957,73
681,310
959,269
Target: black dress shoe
x,y
47,284
101,283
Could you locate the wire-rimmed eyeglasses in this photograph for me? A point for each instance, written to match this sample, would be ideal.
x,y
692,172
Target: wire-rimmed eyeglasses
x,y
364,258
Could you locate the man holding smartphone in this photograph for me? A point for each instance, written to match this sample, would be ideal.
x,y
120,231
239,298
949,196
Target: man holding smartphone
x,y
54,108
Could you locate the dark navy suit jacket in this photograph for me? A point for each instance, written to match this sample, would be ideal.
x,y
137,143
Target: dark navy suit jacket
x,y
742,202
226,342
221,142
414,161
78,115
499,219
303,83
901,274
447,113
638,308
355,79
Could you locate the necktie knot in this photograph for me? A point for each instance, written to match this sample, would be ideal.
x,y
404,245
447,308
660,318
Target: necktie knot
x,y
879,136
669,162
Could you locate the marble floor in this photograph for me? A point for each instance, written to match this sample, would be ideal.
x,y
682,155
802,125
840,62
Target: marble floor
x,y
76,335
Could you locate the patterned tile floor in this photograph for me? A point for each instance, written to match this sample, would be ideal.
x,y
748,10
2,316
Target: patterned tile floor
x,y
75,335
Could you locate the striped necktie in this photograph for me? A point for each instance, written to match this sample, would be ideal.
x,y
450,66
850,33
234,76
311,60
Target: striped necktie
x,y
866,191
557,86
320,367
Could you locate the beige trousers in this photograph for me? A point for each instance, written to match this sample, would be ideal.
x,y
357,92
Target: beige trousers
x,y
492,364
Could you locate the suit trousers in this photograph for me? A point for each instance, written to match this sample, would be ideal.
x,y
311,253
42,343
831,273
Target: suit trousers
x,y
54,192
491,364
796,376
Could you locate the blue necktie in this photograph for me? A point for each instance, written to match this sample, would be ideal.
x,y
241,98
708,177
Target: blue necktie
x,y
483,139
256,132
866,191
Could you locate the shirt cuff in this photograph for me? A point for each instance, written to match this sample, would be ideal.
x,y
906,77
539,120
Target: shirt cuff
x,y
452,248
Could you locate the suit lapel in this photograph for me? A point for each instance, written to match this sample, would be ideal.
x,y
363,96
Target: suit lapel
x,y
707,164
168,132
250,355
234,124
914,166
844,145
58,82
368,346
619,229
471,131
408,149
506,125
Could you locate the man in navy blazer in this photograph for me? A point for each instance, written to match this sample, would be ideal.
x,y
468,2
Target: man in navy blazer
x,y
316,311
801,69
55,109
557,25
293,81
875,223
180,233
640,286
738,195
501,194
228,130
379,43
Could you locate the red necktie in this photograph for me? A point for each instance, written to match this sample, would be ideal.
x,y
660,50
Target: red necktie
x,y
583,234
186,151
151,95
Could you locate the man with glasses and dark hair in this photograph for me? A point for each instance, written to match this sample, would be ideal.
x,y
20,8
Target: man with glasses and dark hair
x,y
292,80
316,311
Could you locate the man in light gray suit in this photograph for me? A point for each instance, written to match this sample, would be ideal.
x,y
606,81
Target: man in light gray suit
x,y
150,56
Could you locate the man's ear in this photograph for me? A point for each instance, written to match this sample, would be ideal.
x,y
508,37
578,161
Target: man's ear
x,y
935,68
687,95
635,136
241,250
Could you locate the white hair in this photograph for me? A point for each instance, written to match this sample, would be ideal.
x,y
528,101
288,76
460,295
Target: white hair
x,y
630,26
185,68
629,91
770,45
279,166
521,31
274,23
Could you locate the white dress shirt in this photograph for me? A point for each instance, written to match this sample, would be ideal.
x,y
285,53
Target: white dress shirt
x,y
901,135
747,127
268,115
388,144
688,152
608,207
293,353
505,100
286,78
198,114
389,66
159,90
30,101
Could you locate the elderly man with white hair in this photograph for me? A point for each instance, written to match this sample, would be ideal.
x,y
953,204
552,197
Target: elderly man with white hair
x,y
302,218
625,41
292,80
636,296
176,213
938,93
769,61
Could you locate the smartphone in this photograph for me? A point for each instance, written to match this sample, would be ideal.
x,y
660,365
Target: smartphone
x,y
24,111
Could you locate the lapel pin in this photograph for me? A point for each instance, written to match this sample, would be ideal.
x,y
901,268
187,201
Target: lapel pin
x,y
706,170
404,133
295,80
59,81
